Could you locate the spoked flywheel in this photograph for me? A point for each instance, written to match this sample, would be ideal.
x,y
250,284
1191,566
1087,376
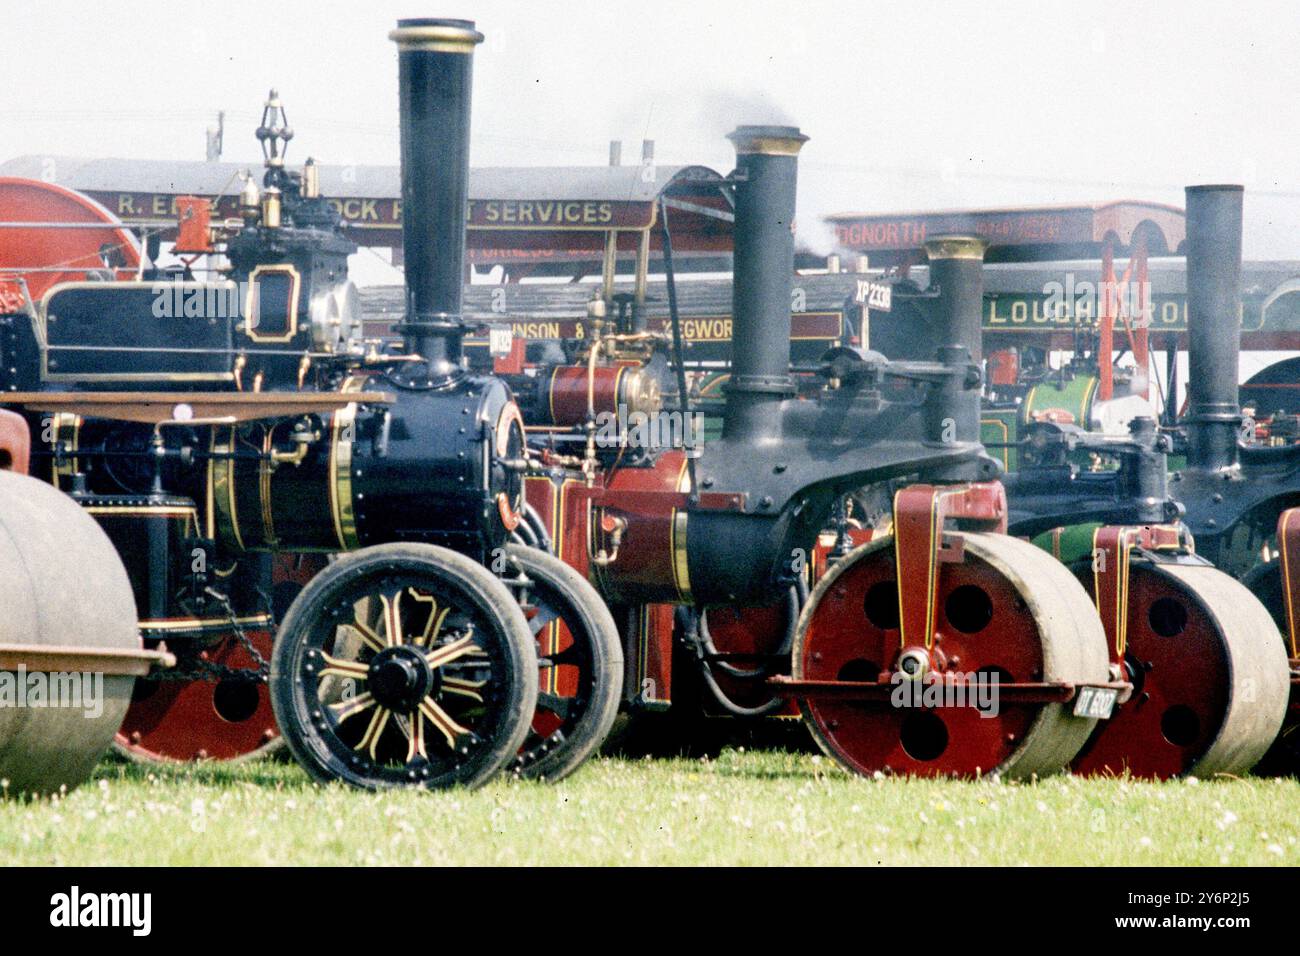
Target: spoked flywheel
x,y
580,659
1004,612
1209,673
404,665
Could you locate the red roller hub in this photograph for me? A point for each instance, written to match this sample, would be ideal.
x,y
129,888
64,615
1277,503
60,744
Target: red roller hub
x,y
1005,609
54,249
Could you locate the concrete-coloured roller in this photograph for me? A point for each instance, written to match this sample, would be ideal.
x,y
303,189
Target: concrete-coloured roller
x,y
62,586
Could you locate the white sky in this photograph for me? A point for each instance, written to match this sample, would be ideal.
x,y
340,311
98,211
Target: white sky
x,y
910,105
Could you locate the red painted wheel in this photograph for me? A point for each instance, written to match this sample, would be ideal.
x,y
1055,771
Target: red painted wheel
x,y
216,720
45,255
1210,678
200,719
1006,609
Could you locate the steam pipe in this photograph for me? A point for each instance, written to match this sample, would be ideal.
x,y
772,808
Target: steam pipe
x,y
1213,325
765,180
435,70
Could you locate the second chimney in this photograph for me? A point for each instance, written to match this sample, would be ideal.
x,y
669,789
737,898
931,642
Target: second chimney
x,y
762,275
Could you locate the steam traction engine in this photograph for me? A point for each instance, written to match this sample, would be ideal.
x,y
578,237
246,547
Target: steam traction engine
x,y
215,427
733,528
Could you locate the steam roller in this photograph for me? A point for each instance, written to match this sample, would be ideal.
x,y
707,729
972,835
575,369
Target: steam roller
x,y
902,668
732,525
69,647
1209,673
1209,670
1161,553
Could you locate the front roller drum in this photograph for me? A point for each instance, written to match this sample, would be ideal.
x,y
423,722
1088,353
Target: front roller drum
x,y
1209,673
1006,612
62,585
404,665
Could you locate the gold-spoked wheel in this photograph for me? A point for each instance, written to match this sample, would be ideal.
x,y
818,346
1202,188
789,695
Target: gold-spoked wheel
x,y
404,665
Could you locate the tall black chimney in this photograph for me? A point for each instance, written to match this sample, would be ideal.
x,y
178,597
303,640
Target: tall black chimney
x,y
1213,325
766,176
435,70
957,274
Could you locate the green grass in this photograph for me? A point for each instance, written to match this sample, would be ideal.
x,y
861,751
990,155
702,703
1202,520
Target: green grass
x,y
740,807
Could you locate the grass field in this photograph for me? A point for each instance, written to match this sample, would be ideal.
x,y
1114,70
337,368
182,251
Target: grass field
x,y
768,807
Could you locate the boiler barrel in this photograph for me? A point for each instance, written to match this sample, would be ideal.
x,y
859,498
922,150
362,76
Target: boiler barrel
x,y
61,583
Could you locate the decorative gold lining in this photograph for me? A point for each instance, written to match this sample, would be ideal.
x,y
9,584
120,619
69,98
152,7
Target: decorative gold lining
x,y
681,560
48,376
440,38
557,533
765,141
206,623
150,511
265,468
221,478
550,392
511,512
40,322
291,322
67,431
342,507
955,247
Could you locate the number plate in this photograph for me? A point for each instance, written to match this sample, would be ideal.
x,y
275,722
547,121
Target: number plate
x,y
1098,702
876,296
500,341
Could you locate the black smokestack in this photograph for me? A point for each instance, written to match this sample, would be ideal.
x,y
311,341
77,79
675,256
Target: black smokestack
x,y
766,176
435,70
957,275
1213,324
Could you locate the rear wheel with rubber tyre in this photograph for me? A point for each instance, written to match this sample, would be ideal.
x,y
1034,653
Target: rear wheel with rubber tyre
x,y
580,660
404,665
